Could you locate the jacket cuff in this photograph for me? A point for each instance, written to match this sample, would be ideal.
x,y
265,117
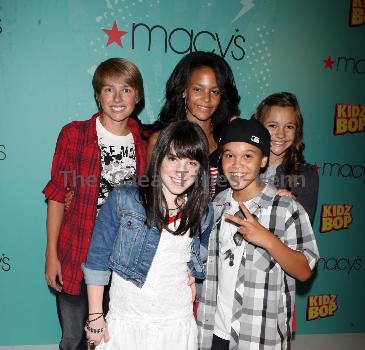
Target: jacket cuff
x,y
194,273
95,277
51,191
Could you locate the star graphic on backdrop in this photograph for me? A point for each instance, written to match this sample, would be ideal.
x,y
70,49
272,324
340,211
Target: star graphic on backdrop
x,y
114,35
328,62
316,167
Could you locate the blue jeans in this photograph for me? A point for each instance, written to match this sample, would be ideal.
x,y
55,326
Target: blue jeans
x,y
72,313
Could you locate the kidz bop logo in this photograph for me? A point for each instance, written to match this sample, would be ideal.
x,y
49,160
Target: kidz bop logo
x,y
357,13
349,119
335,217
321,306
160,37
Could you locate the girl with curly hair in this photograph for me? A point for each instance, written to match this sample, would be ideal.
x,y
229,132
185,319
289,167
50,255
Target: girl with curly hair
x,y
202,90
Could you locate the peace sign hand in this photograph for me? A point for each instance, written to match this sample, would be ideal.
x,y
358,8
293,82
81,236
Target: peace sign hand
x,y
252,231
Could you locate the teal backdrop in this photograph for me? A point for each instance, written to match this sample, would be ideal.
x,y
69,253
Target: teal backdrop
x,y
48,52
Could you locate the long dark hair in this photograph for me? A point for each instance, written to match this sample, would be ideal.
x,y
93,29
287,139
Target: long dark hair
x,y
186,140
174,106
294,156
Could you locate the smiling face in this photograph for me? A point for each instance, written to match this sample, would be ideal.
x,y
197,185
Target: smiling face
x,y
177,175
282,125
118,101
202,95
241,164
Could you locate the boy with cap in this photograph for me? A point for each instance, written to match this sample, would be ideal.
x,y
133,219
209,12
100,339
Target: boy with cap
x,y
260,244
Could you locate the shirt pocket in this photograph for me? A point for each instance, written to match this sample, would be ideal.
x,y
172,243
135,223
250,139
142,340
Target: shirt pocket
x,y
130,238
263,261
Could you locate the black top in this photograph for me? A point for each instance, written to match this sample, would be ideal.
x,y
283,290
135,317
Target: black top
x,y
304,186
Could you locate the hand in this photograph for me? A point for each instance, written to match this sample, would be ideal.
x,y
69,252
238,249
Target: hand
x,y
68,198
97,337
191,284
252,231
285,192
53,272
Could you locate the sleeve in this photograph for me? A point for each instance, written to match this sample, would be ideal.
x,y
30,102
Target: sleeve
x,y
62,168
299,234
307,191
204,240
96,269
199,248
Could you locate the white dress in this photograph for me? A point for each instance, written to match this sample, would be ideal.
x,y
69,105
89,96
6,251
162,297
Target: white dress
x,y
158,316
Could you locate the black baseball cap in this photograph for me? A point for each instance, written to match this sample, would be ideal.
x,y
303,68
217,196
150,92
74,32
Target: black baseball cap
x,y
250,131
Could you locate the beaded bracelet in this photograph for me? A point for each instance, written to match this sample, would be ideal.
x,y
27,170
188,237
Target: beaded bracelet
x,y
94,330
94,319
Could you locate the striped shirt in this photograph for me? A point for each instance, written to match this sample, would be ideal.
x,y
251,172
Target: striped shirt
x,y
213,180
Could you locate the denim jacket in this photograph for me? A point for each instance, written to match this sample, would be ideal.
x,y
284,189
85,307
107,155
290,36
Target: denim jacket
x,y
122,241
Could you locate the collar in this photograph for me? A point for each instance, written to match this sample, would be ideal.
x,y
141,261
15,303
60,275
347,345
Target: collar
x,y
91,135
262,200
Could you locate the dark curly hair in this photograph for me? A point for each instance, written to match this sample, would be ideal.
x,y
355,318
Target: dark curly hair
x,y
294,156
174,107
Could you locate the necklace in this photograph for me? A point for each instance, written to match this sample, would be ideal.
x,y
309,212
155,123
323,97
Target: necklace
x,y
172,209
179,206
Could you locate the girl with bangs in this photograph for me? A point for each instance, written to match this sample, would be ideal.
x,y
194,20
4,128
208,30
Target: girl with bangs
x,y
153,237
202,90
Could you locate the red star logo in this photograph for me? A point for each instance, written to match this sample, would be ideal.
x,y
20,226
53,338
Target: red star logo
x,y
328,62
316,167
114,35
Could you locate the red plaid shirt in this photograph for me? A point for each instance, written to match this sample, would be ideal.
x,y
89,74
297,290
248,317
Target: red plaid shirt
x,y
76,165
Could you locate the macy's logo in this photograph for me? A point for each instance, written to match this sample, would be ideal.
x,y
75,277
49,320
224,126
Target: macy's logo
x,y
340,264
5,263
341,170
2,152
344,64
179,40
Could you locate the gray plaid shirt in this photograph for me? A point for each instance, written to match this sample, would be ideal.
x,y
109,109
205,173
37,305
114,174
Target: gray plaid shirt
x,y
264,295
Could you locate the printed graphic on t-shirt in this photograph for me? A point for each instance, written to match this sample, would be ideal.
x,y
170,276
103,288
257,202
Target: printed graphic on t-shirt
x,y
118,167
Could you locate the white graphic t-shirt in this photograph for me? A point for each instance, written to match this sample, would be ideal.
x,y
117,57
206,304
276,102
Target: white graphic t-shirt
x,y
118,160
230,256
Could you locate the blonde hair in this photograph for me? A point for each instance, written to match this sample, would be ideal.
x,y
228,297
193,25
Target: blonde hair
x,y
121,69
